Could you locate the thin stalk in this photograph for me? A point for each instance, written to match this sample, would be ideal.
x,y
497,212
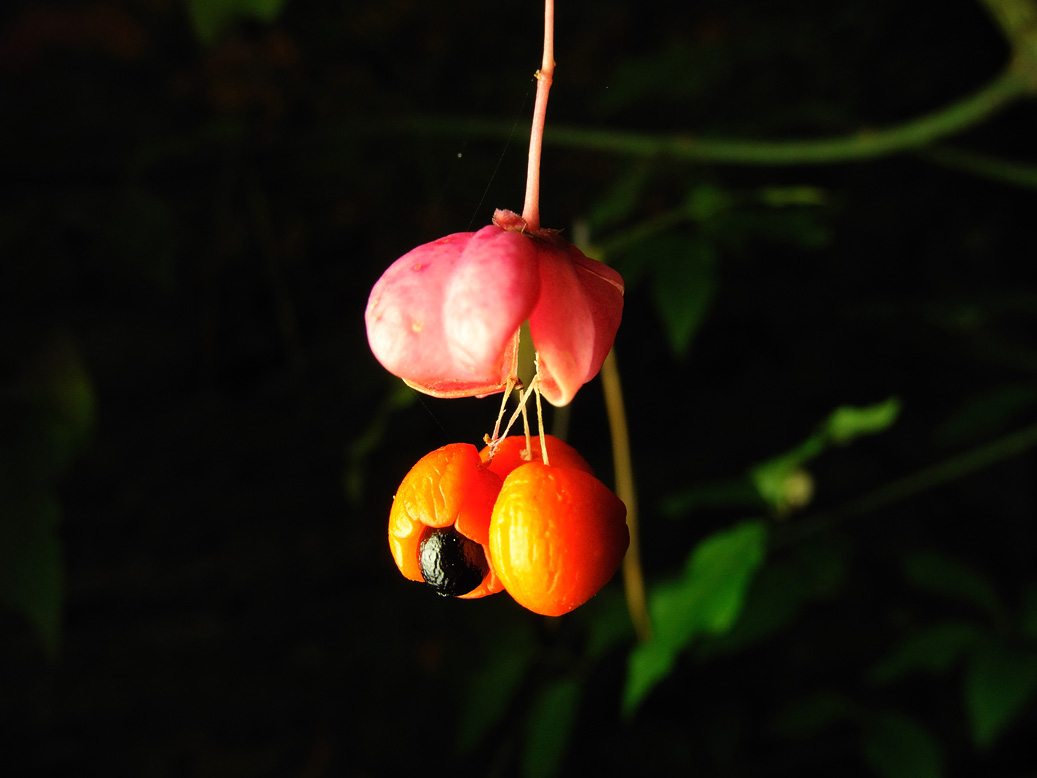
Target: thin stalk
x,y
500,415
633,577
540,424
534,385
531,206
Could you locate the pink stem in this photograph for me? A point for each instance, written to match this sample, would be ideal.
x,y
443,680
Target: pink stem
x,y
531,207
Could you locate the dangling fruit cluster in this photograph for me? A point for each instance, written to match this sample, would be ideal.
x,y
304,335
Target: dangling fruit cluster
x,y
469,525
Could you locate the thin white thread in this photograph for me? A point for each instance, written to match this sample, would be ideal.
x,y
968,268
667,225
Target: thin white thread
x,y
500,159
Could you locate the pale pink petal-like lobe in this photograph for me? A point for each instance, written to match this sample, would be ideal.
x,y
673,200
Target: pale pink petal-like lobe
x,y
405,323
491,291
575,319
405,309
445,317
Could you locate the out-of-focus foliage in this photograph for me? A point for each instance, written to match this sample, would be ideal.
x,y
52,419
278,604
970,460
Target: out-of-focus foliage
x,y
47,414
198,452
677,251
213,18
706,599
995,657
782,481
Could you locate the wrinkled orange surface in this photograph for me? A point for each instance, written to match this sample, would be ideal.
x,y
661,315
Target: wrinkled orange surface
x,y
509,455
557,535
447,487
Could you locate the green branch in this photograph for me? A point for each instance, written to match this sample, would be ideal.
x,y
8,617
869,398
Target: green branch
x,y
866,144
633,575
932,477
1018,22
1009,86
983,166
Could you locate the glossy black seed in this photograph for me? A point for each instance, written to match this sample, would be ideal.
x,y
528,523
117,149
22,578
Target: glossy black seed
x,y
451,563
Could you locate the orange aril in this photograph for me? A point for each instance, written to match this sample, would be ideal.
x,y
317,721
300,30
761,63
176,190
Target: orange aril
x,y
511,453
449,488
557,535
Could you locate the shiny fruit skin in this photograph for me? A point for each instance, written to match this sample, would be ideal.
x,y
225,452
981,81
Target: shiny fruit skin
x,y
450,563
509,455
557,535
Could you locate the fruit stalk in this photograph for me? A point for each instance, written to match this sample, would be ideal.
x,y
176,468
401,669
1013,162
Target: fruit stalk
x,y
531,206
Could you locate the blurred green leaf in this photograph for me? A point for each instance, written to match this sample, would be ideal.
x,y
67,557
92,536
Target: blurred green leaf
x,y
1028,611
898,746
143,234
647,666
824,564
774,215
706,201
779,592
733,493
58,408
720,570
948,577
683,287
620,200
985,414
634,264
811,715
550,723
31,573
46,420
785,196
607,623
934,648
211,18
802,227
999,681
673,74
682,271
783,483
775,597
354,475
847,423
74,407
491,684
706,599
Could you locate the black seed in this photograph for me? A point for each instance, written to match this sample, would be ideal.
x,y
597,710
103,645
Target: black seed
x,y
451,563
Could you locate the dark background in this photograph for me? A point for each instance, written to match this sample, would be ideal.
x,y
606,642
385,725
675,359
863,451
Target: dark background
x,y
188,234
